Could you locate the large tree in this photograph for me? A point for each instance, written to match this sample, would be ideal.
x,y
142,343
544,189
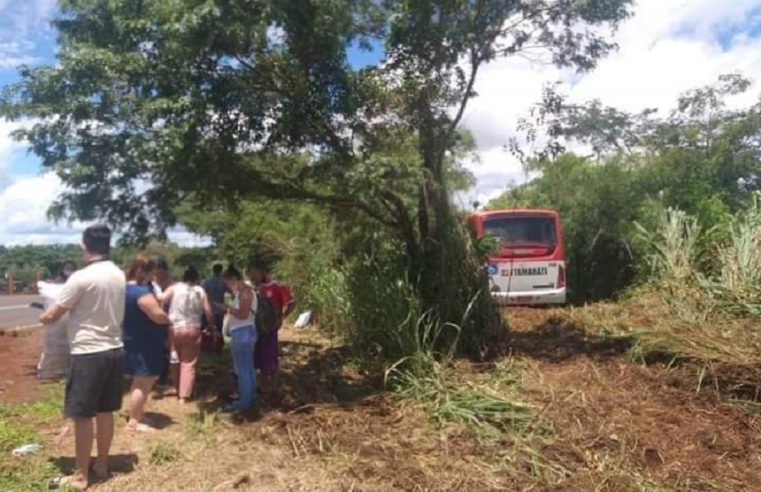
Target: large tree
x,y
157,102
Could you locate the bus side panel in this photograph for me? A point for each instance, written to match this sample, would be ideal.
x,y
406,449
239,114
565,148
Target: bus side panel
x,y
527,281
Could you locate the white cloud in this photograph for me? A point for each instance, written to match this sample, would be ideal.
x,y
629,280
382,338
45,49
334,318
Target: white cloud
x,y
668,47
22,25
23,207
8,147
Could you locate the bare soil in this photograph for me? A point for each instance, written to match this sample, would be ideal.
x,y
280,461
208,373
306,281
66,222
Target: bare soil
x,y
602,422
19,353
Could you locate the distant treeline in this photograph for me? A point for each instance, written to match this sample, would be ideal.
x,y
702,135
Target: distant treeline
x,y
25,261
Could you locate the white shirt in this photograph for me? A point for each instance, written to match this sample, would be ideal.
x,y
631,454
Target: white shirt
x,y
187,306
235,323
94,297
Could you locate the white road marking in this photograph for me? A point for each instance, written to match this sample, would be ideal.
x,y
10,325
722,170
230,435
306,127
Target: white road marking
x,y
8,308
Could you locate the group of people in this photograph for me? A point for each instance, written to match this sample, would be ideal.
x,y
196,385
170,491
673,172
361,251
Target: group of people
x,y
140,325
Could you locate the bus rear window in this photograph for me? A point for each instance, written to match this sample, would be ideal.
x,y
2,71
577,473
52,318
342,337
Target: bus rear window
x,y
512,232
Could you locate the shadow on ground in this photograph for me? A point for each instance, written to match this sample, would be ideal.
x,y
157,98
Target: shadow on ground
x,y
310,375
117,463
159,421
557,340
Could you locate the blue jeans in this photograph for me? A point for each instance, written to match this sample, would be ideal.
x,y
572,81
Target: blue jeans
x,y
242,350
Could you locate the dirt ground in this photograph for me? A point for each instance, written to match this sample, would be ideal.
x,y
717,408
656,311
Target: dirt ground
x,y
19,353
601,422
623,426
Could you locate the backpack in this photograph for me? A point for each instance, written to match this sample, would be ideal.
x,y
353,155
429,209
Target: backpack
x,y
266,316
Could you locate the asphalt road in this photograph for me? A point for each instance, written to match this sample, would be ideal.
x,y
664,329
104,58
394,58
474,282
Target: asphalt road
x,y
15,311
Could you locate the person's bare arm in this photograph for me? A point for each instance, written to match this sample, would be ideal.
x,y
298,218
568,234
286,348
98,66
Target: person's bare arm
x,y
207,310
289,303
52,314
151,307
245,299
166,297
70,295
289,308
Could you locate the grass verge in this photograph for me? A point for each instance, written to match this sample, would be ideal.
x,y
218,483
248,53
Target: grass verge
x,y
22,424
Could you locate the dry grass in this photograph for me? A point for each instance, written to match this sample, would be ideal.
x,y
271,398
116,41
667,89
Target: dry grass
x,y
599,420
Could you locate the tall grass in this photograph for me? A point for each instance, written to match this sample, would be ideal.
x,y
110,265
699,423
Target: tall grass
x,y
737,287
673,246
733,284
427,376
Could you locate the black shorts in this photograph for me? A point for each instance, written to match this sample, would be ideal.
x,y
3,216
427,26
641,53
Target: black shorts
x,y
94,384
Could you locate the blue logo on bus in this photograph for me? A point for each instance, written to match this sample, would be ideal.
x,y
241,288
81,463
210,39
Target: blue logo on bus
x,y
492,269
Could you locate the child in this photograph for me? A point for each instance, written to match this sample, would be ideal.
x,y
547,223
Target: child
x,y
267,348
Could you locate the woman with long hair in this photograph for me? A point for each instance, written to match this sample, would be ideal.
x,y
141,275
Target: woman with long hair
x,y
144,334
188,303
242,331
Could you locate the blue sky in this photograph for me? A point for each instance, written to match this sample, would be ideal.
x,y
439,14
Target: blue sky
x,y
669,46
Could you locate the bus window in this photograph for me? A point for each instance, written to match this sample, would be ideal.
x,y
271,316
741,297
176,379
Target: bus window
x,y
521,231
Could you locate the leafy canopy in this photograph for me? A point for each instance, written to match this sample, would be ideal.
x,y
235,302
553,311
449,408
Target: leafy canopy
x,y
156,103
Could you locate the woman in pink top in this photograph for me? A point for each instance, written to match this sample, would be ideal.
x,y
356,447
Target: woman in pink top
x,y
188,303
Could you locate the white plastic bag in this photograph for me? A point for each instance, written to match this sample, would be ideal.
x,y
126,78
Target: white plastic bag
x,y
303,320
55,352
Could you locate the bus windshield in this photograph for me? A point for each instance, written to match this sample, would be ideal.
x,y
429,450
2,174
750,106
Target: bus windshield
x,y
522,231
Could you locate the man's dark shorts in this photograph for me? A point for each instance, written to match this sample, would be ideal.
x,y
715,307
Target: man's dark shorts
x,y
94,384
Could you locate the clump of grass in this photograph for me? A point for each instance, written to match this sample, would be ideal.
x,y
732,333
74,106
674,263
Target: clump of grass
x,y
163,454
748,406
737,287
427,377
204,424
673,248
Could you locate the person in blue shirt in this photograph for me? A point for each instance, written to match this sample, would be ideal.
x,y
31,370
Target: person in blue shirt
x,y
215,290
145,335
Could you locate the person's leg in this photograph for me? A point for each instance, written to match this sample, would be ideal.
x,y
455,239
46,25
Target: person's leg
x,y
267,360
188,361
178,345
105,437
242,348
141,387
83,437
84,384
110,401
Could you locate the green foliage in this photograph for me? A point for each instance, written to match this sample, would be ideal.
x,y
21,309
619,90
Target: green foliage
x,y
702,160
674,249
163,454
736,284
596,203
155,105
427,377
25,262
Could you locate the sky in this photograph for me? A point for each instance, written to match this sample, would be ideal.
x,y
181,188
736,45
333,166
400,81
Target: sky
x,y
666,48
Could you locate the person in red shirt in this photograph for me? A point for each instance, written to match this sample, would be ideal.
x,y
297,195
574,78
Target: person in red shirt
x,y
267,348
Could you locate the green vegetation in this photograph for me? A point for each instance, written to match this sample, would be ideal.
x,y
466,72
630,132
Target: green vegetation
x,y
27,261
163,454
20,424
244,121
212,105
701,160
